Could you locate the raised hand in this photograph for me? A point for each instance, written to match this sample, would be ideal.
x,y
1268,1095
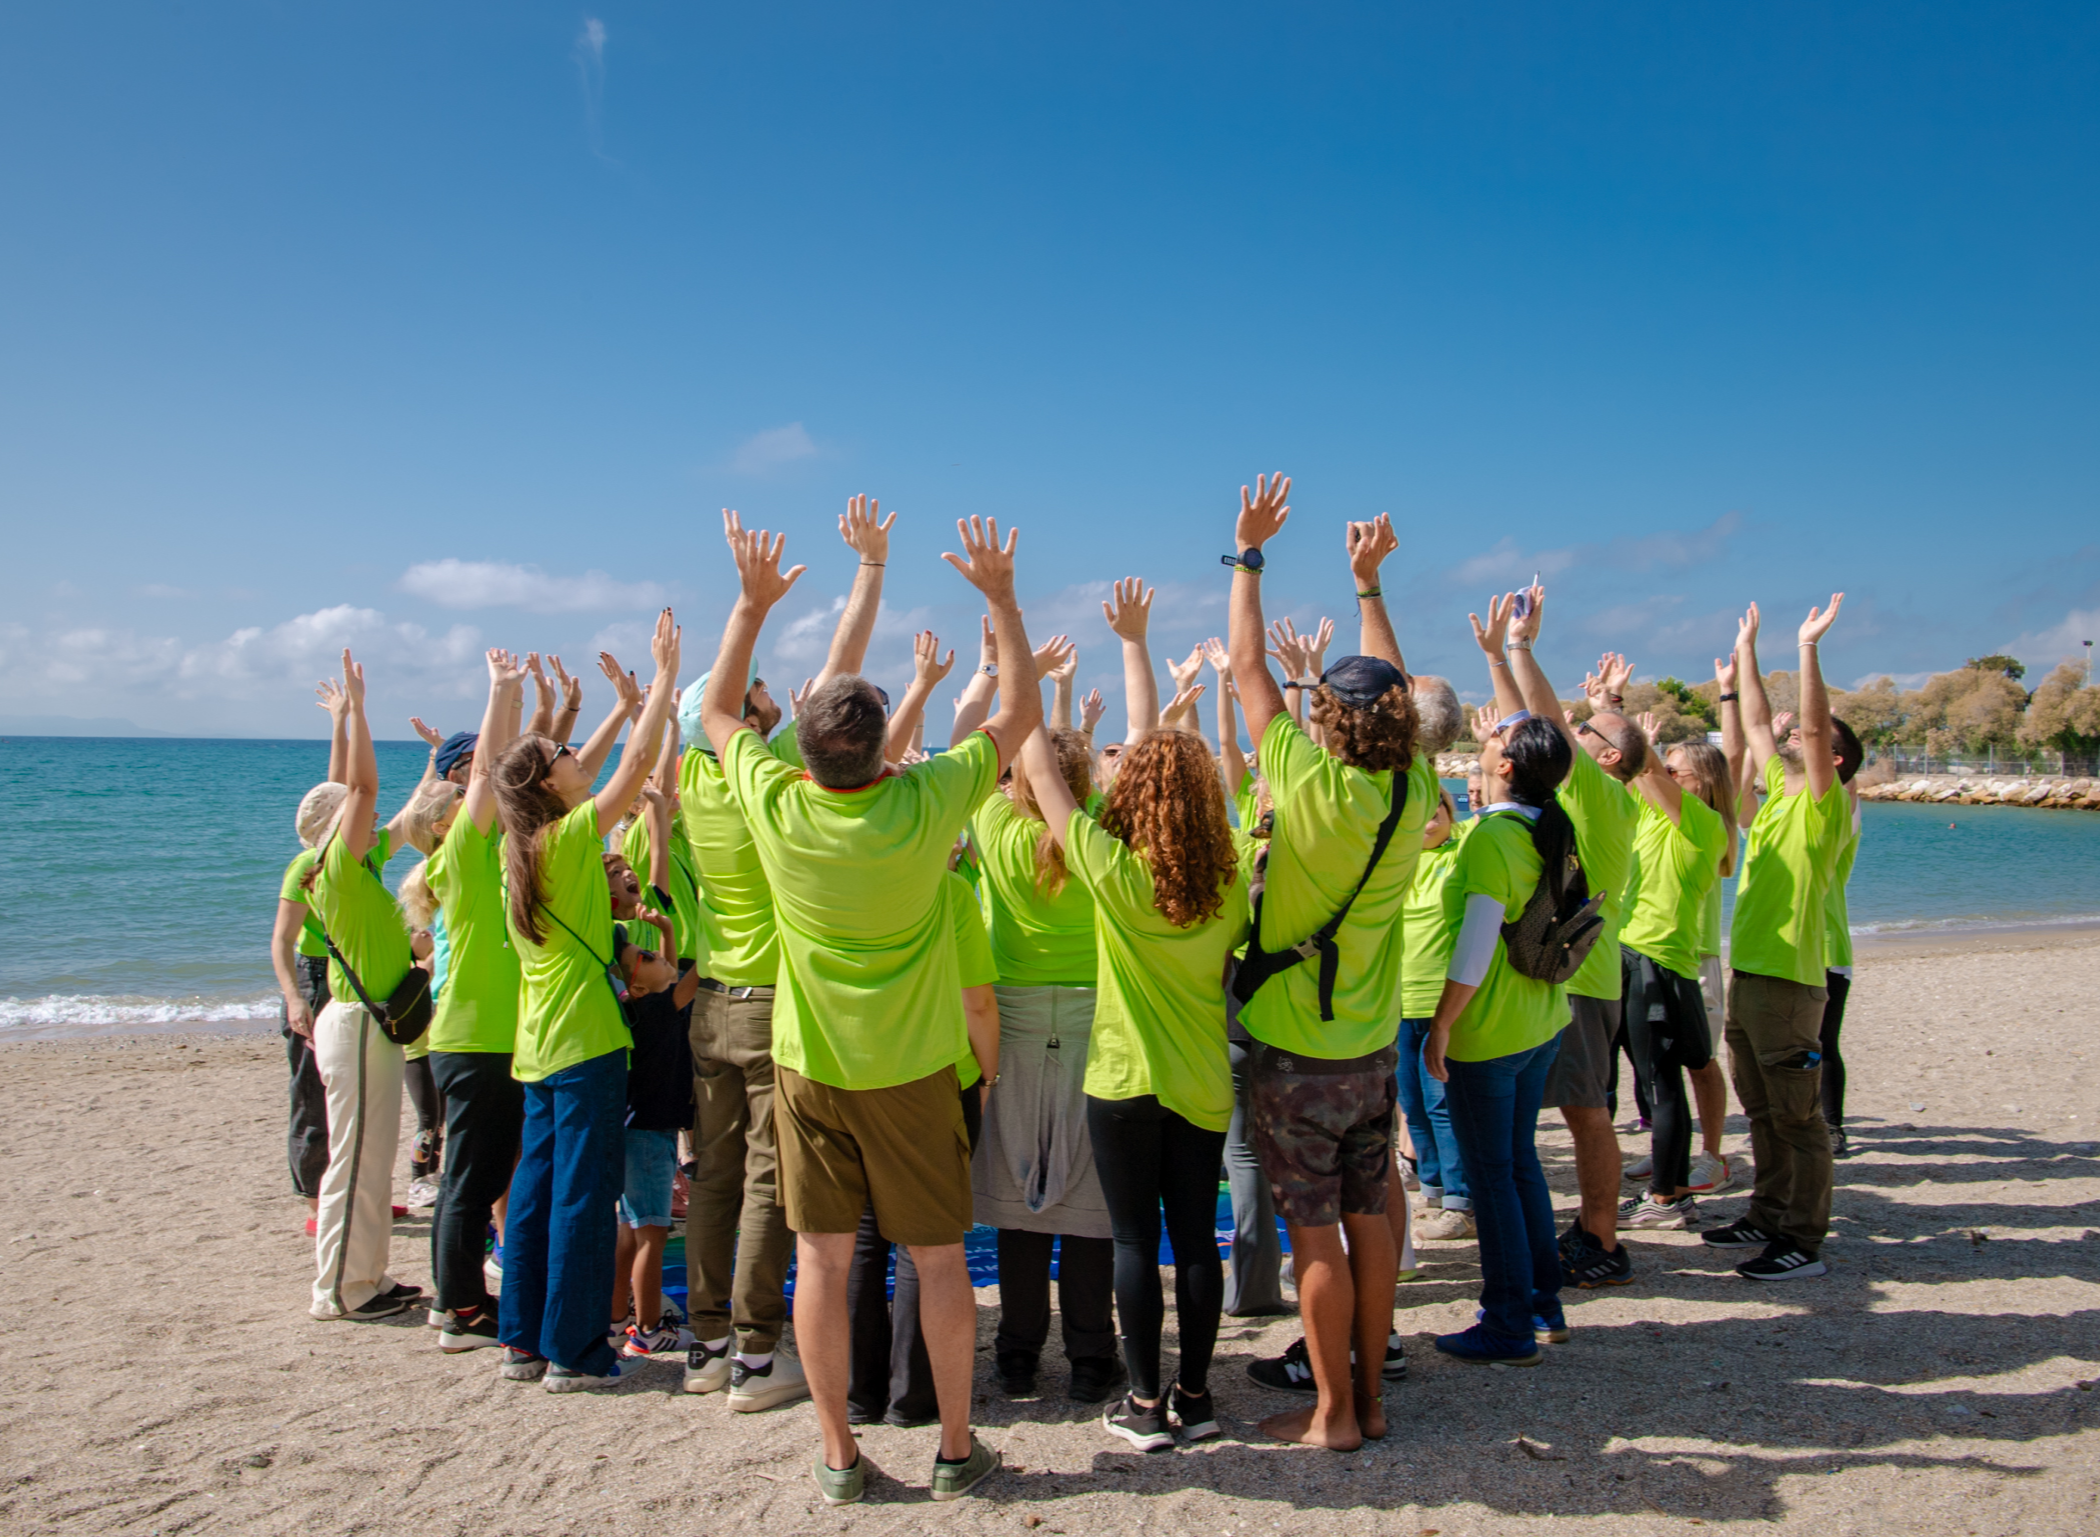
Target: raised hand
x,y
1646,721
500,664
541,686
1184,673
859,527
1184,699
1485,720
1091,709
1220,659
927,666
1819,620
1262,511
329,695
984,563
1316,648
623,682
1614,672
653,797
1368,545
1063,671
797,695
353,680
989,654
757,556
571,687
664,645
1288,648
1724,673
1494,635
1782,723
1746,631
1053,654
429,734
1525,626
1130,612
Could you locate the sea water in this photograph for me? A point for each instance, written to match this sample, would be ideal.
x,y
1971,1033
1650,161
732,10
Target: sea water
x,y
139,876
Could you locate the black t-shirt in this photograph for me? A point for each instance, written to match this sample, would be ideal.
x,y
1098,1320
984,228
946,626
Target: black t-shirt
x,y
660,1068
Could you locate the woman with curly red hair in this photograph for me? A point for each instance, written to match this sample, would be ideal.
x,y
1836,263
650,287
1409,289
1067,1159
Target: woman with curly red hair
x,y
1164,868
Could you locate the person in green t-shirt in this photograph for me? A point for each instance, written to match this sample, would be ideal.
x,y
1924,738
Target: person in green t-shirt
x,y
1168,878
1608,751
299,956
1496,1031
1320,1074
737,1243
1447,1201
571,1046
869,1020
1778,989
1837,947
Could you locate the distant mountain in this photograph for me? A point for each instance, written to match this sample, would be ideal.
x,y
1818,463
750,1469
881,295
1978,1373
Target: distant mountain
x,y
72,725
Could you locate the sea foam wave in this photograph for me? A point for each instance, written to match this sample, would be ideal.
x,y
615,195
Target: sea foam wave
x,y
96,1010
1975,925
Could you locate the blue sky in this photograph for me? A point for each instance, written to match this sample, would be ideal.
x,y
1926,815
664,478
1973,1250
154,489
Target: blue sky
x,y
1678,306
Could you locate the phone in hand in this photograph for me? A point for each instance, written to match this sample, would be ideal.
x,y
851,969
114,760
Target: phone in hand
x,y
1521,606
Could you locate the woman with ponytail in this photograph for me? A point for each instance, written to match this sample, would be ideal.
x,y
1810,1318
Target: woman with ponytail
x,y
1166,874
1496,1032
424,821
1033,1174
572,1040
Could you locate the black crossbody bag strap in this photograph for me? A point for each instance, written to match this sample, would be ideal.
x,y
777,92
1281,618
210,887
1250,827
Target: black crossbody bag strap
x,y
604,966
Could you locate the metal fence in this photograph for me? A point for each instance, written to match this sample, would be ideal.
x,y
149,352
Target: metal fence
x,y
1990,765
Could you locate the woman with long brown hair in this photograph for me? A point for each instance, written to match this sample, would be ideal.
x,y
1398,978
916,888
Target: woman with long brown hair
x,y
1164,868
572,1040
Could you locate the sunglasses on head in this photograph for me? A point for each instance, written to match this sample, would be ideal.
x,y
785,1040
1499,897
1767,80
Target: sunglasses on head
x,y
1508,721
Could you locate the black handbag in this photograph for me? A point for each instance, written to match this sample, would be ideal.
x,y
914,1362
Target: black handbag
x,y
1550,940
406,1013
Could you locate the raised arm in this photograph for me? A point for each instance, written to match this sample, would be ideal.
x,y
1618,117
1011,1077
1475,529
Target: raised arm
x,y
1757,707
1818,749
1262,515
867,534
627,701
1654,782
656,816
1061,689
1539,697
360,768
642,742
927,671
1231,761
1052,796
975,704
571,701
506,683
761,584
1733,746
1492,638
330,696
1130,617
1181,715
544,699
990,569
1293,656
1368,545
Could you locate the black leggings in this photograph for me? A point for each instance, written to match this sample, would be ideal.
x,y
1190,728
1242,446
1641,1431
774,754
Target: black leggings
x,y
1085,1278
1150,1159
486,1110
1838,985
429,1100
1661,1070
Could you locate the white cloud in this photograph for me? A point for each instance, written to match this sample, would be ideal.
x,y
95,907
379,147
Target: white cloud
x,y
1671,549
454,583
1506,565
775,448
2043,649
590,42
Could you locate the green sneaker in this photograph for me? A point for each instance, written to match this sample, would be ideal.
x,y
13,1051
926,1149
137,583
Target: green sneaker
x,y
953,1480
841,1486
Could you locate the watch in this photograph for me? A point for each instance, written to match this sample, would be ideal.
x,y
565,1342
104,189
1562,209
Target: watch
x,y
1249,559
989,669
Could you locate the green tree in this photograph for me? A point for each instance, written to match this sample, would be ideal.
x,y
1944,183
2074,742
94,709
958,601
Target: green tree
x,y
1877,712
2012,667
2064,714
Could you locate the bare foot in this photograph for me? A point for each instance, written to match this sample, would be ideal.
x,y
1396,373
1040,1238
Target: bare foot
x,y
1305,1427
1370,1416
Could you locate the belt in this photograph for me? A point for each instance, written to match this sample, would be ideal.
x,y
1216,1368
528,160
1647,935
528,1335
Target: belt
x,y
1268,1058
739,993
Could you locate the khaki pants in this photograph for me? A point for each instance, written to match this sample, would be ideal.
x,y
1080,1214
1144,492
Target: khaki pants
x,y
737,1242
1774,1026
354,1224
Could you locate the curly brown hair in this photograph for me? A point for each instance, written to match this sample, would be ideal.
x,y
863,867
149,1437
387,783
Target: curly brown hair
x,y
1075,765
1167,804
1379,736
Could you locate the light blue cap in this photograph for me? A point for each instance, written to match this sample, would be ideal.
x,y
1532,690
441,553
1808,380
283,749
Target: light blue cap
x,y
689,726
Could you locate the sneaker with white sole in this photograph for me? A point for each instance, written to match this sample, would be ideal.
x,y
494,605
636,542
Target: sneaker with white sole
x,y
474,1333
1641,1168
1647,1211
1194,1419
1146,1429
707,1368
779,1381
522,1365
1447,1226
565,1379
380,1305
422,1194
662,1340
1737,1235
1711,1172
1783,1260
953,1480
841,1486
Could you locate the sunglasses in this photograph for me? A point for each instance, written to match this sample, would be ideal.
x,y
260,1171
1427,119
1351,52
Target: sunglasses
x,y
1584,728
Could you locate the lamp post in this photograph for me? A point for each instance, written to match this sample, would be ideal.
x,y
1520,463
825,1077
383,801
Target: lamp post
x,y
2088,664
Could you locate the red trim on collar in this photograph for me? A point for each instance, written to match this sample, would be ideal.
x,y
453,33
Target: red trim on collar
x,y
886,773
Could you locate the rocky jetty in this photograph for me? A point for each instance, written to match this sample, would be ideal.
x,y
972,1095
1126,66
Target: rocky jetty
x,y
1982,790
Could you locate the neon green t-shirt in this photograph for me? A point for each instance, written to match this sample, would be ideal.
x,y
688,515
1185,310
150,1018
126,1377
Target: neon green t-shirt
x,y
736,902
1604,816
360,915
1782,899
1039,940
1159,1014
1837,933
1327,816
478,1008
293,889
1511,1012
868,991
682,887
1426,935
568,1012
1710,917
974,964
1680,865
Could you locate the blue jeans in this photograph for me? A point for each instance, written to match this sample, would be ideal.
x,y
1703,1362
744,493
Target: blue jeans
x,y
558,1245
1438,1163
1495,1114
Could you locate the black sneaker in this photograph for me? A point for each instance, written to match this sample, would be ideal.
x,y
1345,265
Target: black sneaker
x,y
1145,1429
403,1292
1094,1378
380,1305
1594,1267
1395,1368
1737,1235
1840,1144
1194,1417
1290,1372
475,1333
1017,1373
1783,1260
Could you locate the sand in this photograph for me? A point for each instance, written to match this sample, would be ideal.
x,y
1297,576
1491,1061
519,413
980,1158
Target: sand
x,y
158,1372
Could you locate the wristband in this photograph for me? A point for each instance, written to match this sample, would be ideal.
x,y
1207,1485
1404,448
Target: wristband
x,y
1730,698
1375,592
1292,683
1517,645
1615,698
1496,661
877,564
1808,643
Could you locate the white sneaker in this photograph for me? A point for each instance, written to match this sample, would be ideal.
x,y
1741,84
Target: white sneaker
x,y
1646,1211
1447,1225
1710,1172
779,1381
422,1193
492,1275
1641,1168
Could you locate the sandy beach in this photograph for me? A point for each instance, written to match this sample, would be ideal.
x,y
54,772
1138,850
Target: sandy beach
x,y
161,1374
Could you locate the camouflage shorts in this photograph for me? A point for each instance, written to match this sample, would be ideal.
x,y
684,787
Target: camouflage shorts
x,y
1324,1139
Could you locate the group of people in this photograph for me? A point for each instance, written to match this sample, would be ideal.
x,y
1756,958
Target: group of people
x,y
867,995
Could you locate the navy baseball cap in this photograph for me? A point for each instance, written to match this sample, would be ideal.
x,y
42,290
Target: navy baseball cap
x,y
457,746
1361,681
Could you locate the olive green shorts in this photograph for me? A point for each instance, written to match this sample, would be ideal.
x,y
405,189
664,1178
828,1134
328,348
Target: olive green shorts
x,y
904,1148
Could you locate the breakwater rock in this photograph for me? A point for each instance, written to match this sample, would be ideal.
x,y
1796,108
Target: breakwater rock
x,y
1978,790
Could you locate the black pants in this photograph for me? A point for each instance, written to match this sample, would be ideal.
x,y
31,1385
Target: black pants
x,y
1838,985
1662,1049
1623,1041
1151,1160
1085,1289
420,1080
484,1112
891,1376
306,1141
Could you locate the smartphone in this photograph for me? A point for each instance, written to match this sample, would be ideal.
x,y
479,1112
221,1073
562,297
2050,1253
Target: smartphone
x,y
1522,605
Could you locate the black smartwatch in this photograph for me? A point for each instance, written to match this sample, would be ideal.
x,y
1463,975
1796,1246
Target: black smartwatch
x,y
1246,560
